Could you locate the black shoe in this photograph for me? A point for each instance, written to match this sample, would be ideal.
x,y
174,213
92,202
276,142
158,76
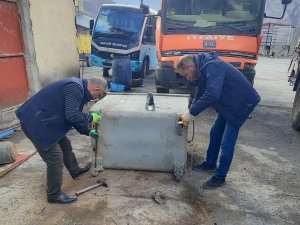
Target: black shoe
x,y
214,182
62,199
203,167
81,171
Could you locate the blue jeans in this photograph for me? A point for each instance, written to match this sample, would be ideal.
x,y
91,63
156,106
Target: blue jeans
x,y
222,135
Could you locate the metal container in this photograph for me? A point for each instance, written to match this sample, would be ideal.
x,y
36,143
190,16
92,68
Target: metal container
x,y
132,137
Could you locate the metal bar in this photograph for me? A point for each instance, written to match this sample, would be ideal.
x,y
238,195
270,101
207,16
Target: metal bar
x,y
88,189
96,147
11,55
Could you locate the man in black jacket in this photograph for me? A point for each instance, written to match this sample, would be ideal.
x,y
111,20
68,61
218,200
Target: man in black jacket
x,y
47,117
224,88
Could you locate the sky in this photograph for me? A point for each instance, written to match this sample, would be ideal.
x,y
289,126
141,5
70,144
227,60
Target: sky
x,y
154,4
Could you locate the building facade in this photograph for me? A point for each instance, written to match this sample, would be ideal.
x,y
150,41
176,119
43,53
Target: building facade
x,y
37,46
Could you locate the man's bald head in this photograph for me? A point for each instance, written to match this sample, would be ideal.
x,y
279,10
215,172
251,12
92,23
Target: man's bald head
x,y
186,67
185,61
97,86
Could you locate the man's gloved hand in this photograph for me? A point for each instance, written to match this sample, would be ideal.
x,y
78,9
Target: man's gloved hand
x,y
94,134
96,116
185,118
98,111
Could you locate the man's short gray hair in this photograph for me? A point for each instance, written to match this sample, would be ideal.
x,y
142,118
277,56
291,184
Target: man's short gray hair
x,y
185,61
99,82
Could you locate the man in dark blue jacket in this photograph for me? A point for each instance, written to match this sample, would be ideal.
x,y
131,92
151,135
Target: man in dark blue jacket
x,y
224,88
47,117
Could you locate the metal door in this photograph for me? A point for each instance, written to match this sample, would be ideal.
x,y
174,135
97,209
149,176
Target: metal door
x,y
13,77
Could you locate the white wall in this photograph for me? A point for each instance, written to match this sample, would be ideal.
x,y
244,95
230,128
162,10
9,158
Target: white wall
x,y
54,37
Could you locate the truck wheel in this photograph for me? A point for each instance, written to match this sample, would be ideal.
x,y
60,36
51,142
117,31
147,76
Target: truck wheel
x,y
296,110
162,90
105,72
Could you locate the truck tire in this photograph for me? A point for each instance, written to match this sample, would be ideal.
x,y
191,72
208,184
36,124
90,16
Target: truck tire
x,y
296,110
105,72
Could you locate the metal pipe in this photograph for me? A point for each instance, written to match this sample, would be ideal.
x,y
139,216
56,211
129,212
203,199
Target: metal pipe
x,y
6,133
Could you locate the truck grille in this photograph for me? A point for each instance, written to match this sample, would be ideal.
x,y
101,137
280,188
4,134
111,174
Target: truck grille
x,y
220,53
104,55
236,64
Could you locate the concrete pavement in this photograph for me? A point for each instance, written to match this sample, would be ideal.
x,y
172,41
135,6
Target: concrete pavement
x,y
263,185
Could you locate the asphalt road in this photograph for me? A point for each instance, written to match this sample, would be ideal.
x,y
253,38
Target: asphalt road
x,y
263,184
266,165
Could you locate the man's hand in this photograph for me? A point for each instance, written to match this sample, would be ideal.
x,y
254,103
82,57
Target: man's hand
x,y
97,112
94,134
185,118
96,116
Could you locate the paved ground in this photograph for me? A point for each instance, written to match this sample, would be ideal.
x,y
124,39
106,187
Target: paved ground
x,y
263,185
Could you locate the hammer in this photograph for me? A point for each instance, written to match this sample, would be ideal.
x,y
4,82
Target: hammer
x,y
100,182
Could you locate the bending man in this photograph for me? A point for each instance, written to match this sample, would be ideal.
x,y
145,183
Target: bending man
x,y
47,117
223,87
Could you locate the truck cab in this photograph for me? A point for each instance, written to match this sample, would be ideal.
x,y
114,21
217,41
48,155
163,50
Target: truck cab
x,y
232,28
123,30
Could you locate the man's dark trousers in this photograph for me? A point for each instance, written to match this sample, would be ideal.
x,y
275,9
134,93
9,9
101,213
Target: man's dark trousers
x,y
57,156
223,135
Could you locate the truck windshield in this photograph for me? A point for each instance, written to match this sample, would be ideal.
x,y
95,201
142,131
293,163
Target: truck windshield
x,y
228,17
117,22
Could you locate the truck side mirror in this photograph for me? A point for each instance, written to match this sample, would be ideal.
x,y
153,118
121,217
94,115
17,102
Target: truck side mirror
x,y
92,22
285,2
158,13
144,8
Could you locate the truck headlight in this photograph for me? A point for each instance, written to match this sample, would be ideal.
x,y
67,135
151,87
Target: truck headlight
x,y
135,56
166,63
249,66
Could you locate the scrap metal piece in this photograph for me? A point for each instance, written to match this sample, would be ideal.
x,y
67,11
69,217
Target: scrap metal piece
x,y
96,170
159,198
179,171
179,128
150,106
